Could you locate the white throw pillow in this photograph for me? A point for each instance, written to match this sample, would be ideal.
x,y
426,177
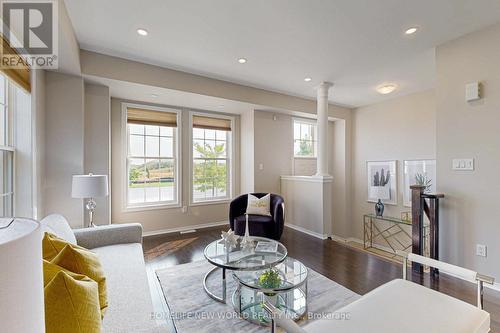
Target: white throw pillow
x,y
57,225
258,206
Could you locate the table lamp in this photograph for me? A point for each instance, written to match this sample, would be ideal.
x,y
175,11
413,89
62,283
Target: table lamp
x,y
89,187
380,193
21,276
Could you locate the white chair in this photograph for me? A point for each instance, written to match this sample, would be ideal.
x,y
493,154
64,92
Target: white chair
x,y
402,306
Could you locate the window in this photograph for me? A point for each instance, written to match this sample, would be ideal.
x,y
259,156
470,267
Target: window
x,y
211,158
152,163
6,151
304,138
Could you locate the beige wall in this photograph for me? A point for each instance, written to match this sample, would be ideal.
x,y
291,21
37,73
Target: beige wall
x,y
163,219
64,144
97,143
400,129
469,130
273,150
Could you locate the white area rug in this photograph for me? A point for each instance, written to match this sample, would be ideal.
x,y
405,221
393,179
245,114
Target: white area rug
x,y
195,312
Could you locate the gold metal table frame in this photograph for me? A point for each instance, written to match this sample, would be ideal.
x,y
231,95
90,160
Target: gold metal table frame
x,y
386,230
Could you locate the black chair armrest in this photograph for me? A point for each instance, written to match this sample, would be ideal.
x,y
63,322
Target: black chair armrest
x,y
237,207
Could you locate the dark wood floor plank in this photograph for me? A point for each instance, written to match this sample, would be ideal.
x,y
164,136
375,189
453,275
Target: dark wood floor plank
x,y
355,269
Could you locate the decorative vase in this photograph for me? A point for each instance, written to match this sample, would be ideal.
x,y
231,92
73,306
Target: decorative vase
x,y
273,299
379,208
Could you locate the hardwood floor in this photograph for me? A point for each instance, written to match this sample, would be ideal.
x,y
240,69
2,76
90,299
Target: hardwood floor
x,y
354,269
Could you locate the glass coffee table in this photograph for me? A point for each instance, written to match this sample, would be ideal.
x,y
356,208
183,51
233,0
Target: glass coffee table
x,y
238,259
290,295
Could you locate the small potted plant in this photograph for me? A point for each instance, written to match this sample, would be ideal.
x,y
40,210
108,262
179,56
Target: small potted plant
x,y
270,279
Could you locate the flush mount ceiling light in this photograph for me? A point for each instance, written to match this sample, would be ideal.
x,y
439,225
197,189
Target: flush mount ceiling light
x,y
386,89
154,95
411,31
307,79
142,32
242,60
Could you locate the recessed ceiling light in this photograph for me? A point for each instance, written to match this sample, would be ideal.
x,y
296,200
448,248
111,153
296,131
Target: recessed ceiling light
x,y
386,89
242,60
154,95
411,31
142,32
307,79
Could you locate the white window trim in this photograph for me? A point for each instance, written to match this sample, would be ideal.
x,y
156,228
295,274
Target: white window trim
x,y
124,164
231,168
304,121
13,180
10,145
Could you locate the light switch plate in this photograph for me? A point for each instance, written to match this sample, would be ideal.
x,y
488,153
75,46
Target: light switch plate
x,y
481,250
472,91
463,164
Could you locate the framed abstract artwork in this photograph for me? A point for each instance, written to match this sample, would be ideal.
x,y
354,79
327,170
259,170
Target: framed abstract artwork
x,y
382,181
418,172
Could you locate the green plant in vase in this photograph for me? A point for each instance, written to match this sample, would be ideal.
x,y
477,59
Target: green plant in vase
x,y
270,279
421,179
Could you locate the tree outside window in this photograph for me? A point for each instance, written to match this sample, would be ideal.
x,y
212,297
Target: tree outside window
x,y
305,144
211,161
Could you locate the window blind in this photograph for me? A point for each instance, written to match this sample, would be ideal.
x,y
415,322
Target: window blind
x,y
150,117
20,73
211,123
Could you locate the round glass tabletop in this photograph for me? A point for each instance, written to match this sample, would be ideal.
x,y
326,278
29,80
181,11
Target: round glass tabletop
x,y
263,254
288,275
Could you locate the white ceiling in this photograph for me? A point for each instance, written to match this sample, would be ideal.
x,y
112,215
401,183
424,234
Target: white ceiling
x,y
357,44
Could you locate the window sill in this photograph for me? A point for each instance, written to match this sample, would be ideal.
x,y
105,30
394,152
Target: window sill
x,y
131,209
305,157
210,202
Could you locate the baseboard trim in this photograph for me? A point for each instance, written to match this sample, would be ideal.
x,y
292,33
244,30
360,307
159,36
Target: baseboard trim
x,y
495,286
184,229
376,246
306,231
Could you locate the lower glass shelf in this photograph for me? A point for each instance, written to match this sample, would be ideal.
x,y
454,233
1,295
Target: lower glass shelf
x,y
248,303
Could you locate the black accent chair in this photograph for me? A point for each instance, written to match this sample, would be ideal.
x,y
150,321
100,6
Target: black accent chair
x,y
258,225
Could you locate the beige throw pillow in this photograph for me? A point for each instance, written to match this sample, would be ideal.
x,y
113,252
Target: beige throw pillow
x,y
258,206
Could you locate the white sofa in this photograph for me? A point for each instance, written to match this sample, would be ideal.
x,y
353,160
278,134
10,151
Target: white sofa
x,y
401,306
119,248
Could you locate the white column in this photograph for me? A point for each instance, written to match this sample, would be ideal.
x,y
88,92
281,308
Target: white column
x,y
322,102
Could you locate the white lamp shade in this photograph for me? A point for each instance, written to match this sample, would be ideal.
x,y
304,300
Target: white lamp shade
x,y
89,186
380,192
21,279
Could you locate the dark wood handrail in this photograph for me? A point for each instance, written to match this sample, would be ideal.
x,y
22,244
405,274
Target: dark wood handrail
x,y
428,204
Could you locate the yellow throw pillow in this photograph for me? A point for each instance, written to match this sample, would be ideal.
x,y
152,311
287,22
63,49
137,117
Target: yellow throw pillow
x,y
52,245
72,304
81,261
50,271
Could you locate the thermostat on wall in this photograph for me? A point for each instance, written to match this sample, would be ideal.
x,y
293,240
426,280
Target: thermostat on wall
x,y
472,91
